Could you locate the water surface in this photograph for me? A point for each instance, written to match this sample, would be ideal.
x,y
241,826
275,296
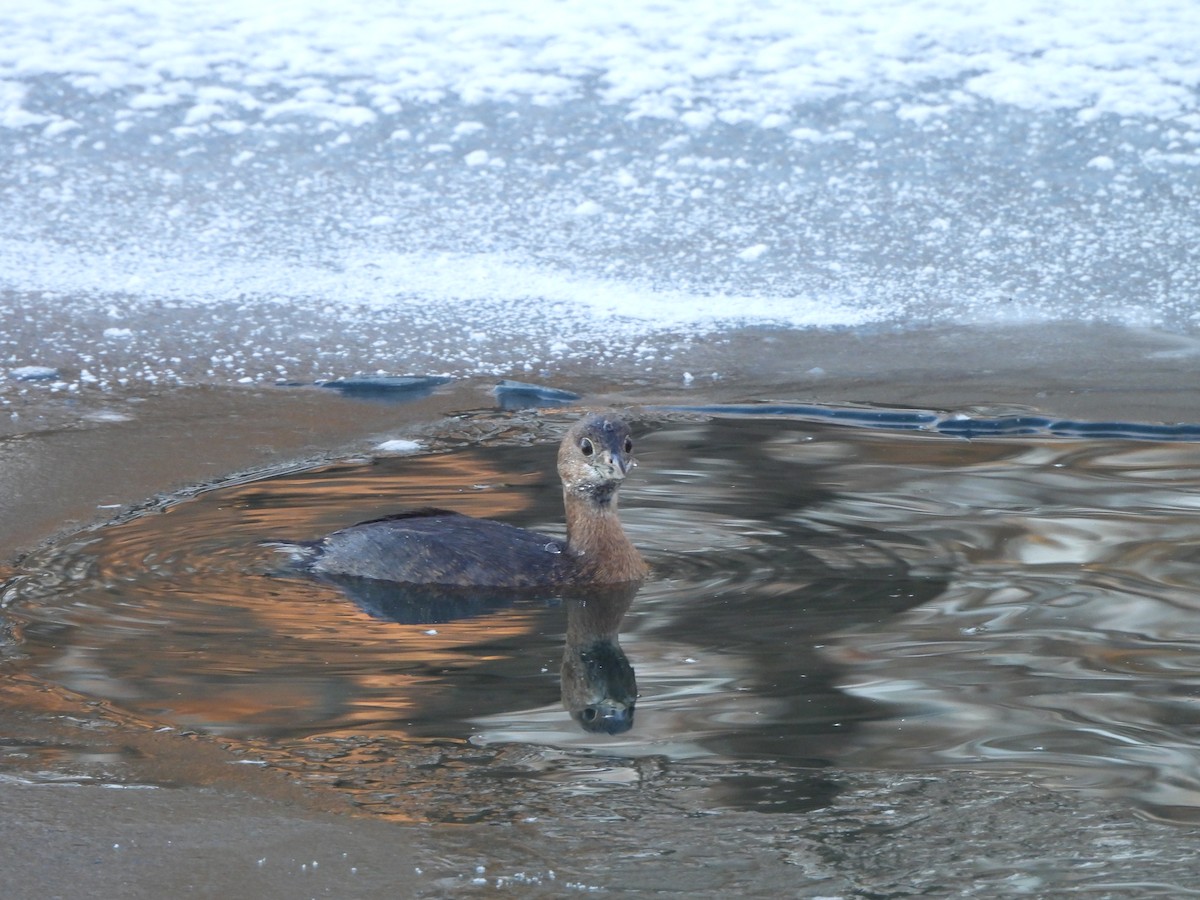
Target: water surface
x,y
825,598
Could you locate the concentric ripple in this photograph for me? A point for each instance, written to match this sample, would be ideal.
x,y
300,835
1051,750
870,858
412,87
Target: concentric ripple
x,y
823,596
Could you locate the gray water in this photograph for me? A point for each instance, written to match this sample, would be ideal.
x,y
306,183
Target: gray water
x,y
827,601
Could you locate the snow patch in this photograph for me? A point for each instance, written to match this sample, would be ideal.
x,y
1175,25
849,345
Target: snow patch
x,y
399,447
753,252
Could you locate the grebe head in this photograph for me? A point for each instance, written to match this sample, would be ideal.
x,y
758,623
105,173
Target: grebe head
x,y
595,456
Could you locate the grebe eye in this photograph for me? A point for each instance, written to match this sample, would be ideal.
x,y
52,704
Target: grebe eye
x,y
628,445
586,446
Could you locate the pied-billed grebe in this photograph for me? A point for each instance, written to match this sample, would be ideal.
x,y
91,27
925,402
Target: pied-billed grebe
x,y
440,547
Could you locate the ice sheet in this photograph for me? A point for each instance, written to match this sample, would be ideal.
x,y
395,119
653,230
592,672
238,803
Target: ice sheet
x,y
208,191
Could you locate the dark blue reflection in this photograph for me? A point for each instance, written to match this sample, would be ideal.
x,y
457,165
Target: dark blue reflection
x,y
956,424
387,388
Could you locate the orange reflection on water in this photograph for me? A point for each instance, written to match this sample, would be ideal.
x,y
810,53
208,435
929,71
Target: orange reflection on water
x,y
335,496
185,616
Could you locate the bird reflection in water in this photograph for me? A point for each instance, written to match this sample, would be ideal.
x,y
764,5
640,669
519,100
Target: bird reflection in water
x,y
599,687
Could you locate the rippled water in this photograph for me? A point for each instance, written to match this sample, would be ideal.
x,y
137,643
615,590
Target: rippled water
x,y
824,597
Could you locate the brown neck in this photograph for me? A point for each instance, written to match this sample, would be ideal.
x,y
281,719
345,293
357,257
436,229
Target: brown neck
x,y
595,538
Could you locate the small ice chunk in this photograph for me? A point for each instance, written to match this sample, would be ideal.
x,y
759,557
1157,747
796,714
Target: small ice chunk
x,y
397,388
107,415
697,118
400,447
33,373
688,377
522,395
752,253
465,128
62,126
118,333
588,208
1104,163
476,158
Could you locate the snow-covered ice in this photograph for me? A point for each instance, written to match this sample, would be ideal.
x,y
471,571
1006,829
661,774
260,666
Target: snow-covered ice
x,y
267,190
